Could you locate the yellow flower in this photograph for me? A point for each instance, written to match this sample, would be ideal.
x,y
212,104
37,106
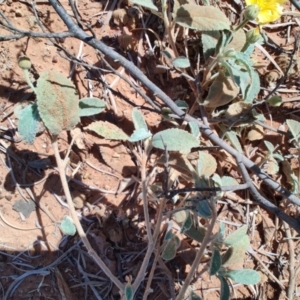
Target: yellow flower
x,y
269,10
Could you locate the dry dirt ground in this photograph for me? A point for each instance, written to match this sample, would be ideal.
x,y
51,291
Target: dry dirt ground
x,y
110,214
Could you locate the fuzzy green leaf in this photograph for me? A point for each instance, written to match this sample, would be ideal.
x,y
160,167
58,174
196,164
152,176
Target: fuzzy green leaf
x,y
244,276
294,127
275,101
236,236
108,130
67,226
181,62
169,250
175,140
232,137
235,254
28,123
203,18
139,135
215,263
228,181
91,106
138,119
145,3
206,164
57,101
195,131
270,147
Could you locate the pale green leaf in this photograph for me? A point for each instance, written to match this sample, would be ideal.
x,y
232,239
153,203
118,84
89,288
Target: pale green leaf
x,y
244,276
236,236
175,140
67,226
181,62
204,209
139,135
138,119
91,106
194,129
28,123
294,127
145,3
57,101
206,164
203,18
236,253
108,130
187,224
232,137
228,181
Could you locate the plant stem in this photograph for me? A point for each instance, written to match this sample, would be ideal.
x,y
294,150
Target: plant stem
x,y
141,274
200,253
62,173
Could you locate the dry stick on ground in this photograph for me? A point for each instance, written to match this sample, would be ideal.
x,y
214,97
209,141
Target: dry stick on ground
x,y
293,275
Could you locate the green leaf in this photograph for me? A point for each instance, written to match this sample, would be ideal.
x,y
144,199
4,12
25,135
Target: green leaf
x,y
270,147
180,216
108,130
292,179
175,140
57,101
209,41
228,181
138,120
67,226
145,3
206,164
275,100
244,276
181,62
215,263
236,253
232,137
28,123
187,224
203,18
253,89
225,292
139,135
169,235
236,235
91,106
222,91
203,209
294,127
129,293
196,233
169,250
182,104
194,129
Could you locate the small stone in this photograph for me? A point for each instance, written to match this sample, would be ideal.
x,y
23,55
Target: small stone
x,y
79,200
8,197
18,13
54,59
